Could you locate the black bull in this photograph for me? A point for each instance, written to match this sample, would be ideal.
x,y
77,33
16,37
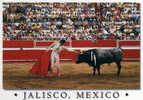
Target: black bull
x,y
97,57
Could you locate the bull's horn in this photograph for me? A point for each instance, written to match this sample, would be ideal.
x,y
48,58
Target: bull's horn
x,y
81,51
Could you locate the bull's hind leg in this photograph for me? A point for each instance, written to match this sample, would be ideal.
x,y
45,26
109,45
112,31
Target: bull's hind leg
x,y
98,69
94,70
119,68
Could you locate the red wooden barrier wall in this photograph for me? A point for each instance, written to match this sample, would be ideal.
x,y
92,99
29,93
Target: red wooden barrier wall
x,y
79,43
22,54
18,44
131,54
34,54
38,44
129,43
97,43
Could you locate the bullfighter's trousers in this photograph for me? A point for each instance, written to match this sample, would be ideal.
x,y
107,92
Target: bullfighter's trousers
x,y
54,59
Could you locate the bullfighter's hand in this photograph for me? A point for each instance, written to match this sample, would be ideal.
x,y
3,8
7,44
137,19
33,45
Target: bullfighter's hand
x,y
75,52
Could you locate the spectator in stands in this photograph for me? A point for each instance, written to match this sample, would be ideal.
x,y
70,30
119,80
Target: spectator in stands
x,y
80,20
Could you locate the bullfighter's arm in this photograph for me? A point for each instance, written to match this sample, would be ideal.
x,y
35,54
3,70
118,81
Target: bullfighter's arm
x,y
70,50
52,45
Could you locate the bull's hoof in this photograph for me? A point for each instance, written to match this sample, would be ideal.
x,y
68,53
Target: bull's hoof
x,y
99,74
93,75
118,75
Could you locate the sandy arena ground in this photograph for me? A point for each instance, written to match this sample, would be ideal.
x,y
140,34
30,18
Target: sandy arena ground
x,y
74,76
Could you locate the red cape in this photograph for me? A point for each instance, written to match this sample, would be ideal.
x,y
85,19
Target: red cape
x,y
42,65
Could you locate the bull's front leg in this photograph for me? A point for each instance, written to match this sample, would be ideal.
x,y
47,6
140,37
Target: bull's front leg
x,y
98,69
94,70
119,68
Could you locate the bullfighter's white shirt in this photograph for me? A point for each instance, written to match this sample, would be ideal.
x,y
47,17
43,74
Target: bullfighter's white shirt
x,y
56,47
